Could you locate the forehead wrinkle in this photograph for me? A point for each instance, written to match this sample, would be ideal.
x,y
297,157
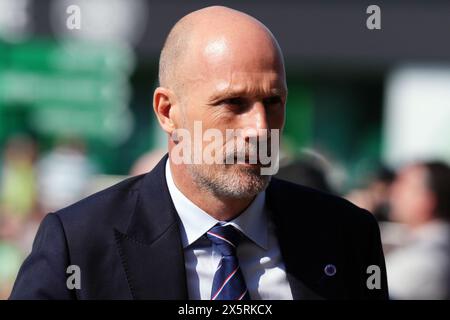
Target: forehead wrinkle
x,y
233,88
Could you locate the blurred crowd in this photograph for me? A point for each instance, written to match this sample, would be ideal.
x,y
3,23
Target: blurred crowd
x,y
411,204
32,185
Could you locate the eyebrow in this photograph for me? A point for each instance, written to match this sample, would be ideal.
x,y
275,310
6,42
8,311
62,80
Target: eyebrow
x,y
226,94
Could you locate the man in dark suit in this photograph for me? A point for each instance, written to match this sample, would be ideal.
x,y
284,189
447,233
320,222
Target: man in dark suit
x,y
196,229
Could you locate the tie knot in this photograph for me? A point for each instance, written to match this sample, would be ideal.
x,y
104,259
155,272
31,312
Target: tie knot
x,y
226,238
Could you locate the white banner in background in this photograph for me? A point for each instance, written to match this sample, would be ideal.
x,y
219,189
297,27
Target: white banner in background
x,y
417,115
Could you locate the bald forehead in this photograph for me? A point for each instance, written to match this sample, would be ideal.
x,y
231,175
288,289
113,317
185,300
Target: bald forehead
x,y
216,36
222,20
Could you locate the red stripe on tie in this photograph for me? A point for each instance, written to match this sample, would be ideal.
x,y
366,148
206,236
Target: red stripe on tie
x,y
240,298
223,285
221,238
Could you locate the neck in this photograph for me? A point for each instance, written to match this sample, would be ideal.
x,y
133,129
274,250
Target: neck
x,y
220,208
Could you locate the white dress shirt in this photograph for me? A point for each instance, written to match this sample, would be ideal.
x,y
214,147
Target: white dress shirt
x,y
259,254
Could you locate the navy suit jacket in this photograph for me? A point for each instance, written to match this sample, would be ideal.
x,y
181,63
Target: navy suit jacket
x,y
126,242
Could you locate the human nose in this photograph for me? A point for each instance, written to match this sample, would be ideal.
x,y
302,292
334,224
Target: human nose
x,y
256,119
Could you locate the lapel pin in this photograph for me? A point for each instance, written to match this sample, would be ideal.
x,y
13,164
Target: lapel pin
x,y
330,270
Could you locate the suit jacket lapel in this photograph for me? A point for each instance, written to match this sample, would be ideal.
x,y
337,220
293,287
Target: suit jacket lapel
x,y
150,248
304,249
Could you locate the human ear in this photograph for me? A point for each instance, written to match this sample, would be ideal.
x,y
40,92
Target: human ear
x,y
163,101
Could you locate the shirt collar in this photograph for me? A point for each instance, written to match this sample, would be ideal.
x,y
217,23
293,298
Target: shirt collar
x,y
252,222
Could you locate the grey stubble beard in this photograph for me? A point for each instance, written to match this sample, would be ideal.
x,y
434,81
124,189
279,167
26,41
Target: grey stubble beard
x,y
235,183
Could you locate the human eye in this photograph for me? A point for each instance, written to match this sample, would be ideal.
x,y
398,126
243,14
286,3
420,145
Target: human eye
x,y
272,101
235,101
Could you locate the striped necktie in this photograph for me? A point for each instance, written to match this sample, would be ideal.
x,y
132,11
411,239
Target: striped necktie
x,y
228,283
